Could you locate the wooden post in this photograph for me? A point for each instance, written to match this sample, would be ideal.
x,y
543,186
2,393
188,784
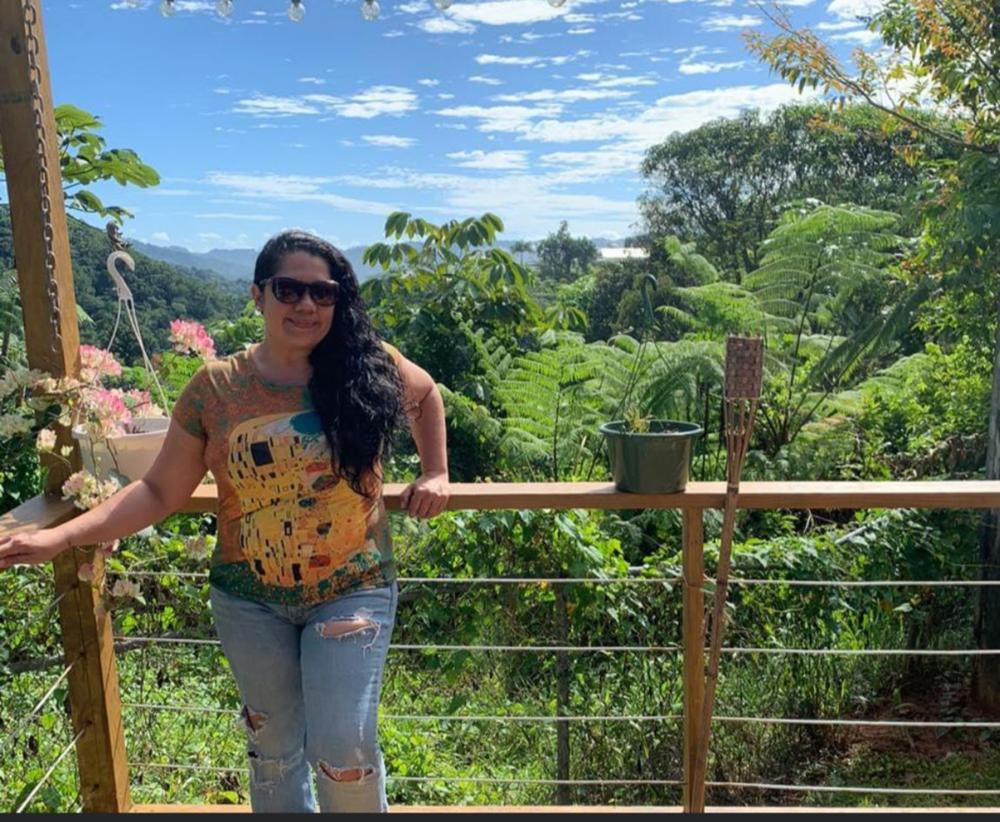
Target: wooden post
x,y
41,247
694,652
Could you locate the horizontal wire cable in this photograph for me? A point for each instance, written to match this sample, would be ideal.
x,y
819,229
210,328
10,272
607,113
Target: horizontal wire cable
x,y
809,583
627,648
41,703
865,583
778,786
49,772
764,720
405,647
173,766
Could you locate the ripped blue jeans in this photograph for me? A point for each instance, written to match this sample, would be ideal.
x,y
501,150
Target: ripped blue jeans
x,y
310,678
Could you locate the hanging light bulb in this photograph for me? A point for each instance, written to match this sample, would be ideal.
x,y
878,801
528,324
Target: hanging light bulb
x,y
167,8
556,3
443,4
224,8
370,10
296,11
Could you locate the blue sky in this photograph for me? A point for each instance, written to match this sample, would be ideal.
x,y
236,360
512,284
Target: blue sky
x,y
535,113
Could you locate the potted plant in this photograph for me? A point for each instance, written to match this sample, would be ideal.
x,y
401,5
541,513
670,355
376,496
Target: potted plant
x,y
647,455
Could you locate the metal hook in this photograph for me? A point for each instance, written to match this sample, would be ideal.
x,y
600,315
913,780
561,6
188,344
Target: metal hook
x,y
124,292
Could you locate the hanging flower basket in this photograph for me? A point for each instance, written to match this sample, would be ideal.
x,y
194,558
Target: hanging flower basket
x,y
126,456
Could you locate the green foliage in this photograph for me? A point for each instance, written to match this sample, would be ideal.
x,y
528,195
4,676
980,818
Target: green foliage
x,y
84,159
725,183
563,257
437,297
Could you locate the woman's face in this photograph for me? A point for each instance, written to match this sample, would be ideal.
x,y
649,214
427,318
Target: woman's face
x,y
299,325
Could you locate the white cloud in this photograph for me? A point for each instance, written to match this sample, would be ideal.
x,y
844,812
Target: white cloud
x,y
388,140
414,8
839,26
291,188
378,100
262,105
609,81
853,9
444,25
496,160
160,237
687,67
581,31
502,118
862,36
394,33
726,22
316,81
499,60
428,82
635,130
568,95
486,81
506,12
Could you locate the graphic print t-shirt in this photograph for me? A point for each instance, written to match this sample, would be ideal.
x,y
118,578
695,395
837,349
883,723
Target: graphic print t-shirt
x,y
290,530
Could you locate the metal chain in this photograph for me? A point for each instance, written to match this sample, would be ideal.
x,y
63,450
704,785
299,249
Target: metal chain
x,y
30,9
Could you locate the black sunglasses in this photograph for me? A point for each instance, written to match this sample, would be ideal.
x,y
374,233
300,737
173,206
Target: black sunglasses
x,y
289,290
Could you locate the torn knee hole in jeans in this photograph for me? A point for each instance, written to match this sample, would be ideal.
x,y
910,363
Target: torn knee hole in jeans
x,y
358,774
343,627
252,720
267,773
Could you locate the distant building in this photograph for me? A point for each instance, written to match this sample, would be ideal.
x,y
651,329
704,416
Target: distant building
x,y
617,254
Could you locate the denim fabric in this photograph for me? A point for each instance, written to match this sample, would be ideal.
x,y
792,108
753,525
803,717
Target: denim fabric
x,y
311,697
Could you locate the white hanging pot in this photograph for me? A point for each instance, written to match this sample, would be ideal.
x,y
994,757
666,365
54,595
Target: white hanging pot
x,y
128,456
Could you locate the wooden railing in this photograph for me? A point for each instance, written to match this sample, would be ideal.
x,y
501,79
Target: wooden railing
x,y
88,640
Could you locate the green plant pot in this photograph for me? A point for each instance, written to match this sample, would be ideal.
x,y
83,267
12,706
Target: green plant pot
x,y
653,462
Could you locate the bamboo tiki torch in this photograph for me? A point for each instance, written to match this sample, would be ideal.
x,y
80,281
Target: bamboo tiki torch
x,y
744,368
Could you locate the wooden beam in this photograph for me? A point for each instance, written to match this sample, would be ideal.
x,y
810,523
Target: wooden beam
x,y
693,633
30,149
467,496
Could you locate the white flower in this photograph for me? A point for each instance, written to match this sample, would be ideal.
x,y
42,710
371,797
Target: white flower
x,y
46,439
125,588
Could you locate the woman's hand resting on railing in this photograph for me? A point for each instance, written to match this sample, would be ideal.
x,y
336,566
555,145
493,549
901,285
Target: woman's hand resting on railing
x,y
31,548
426,496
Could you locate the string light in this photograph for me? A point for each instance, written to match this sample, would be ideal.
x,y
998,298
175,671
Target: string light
x,y
370,9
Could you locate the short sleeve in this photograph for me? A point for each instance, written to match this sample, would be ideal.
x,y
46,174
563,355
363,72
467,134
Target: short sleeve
x,y
189,409
394,352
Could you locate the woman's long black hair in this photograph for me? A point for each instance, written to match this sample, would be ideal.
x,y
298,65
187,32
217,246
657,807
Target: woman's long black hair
x,y
355,384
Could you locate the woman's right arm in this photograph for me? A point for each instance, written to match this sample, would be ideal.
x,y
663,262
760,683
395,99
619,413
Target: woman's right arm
x,y
167,485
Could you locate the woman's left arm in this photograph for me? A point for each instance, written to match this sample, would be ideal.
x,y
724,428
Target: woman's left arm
x,y
427,495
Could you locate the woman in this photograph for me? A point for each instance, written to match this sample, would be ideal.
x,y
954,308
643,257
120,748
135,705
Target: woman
x,y
303,589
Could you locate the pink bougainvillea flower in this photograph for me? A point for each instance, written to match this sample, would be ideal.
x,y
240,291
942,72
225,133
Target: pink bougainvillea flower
x,y
190,337
96,363
107,413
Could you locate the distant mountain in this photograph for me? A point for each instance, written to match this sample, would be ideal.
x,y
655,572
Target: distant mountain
x,y
163,291
238,263
235,263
